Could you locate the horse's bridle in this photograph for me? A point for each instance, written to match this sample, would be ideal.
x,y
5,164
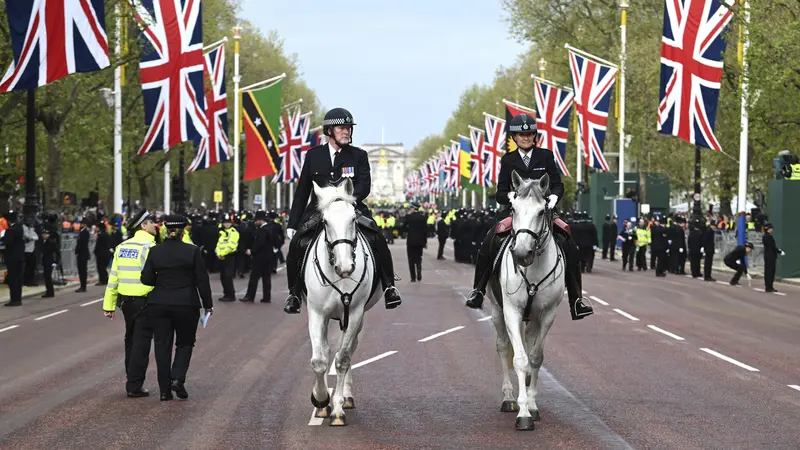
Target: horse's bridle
x,y
539,239
331,245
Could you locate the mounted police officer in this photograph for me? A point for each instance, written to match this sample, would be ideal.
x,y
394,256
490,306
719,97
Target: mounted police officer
x,y
326,164
530,163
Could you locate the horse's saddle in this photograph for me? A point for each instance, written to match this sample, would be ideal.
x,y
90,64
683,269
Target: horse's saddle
x,y
503,226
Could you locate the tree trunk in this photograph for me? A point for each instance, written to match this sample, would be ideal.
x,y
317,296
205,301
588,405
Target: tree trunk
x,y
53,174
725,198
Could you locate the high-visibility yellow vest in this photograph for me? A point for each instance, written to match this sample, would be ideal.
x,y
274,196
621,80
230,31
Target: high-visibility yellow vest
x,y
751,225
431,219
642,237
379,221
126,269
186,238
228,242
390,222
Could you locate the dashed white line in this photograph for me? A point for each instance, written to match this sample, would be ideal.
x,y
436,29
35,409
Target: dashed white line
x,y
729,359
317,421
584,291
623,313
92,302
484,319
794,386
598,300
779,293
434,336
9,328
51,314
722,282
373,359
665,332
758,289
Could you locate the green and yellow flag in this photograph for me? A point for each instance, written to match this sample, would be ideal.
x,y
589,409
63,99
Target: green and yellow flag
x,y
262,112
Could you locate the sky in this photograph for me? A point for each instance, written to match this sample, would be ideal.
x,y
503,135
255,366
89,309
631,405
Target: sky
x,y
400,65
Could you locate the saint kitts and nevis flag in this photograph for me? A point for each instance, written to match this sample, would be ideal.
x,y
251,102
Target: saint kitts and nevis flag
x,y
262,113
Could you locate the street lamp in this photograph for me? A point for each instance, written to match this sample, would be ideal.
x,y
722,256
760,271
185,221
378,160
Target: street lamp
x,y
623,5
237,35
542,67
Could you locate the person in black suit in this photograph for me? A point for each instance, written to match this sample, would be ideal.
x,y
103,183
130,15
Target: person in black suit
x,y
735,260
115,238
177,271
14,240
278,237
83,254
102,254
771,252
259,249
533,163
695,248
708,250
51,257
442,231
609,237
628,237
659,246
416,228
325,164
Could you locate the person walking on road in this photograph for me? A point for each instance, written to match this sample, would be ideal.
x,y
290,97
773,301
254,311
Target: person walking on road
x,y
735,260
260,251
771,252
227,245
695,248
628,238
708,251
181,287
51,257
82,253
416,227
442,232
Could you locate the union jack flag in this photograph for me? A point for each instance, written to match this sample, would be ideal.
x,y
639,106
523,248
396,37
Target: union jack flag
x,y
454,165
214,148
552,122
435,165
293,145
691,69
477,175
51,39
592,83
493,148
424,178
444,169
171,69
314,137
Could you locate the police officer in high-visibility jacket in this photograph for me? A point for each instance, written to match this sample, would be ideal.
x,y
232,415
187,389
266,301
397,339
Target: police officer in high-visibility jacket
x,y
227,245
126,290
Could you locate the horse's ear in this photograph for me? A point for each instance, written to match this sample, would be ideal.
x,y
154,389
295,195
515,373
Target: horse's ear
x,y
544,183
316,188
348,187
516,180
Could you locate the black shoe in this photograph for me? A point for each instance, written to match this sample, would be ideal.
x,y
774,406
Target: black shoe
x,y
83,289
100,284
709,279
247,299
48,295
266,300
141,392
13,304
392,298
733,283
180,390
579,310
166,396
413,280
227,299
292,305
475,300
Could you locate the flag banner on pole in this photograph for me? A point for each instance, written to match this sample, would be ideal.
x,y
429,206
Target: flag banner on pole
x,y
513,110
171,69
478,171
592,82
444,169
552,122
314,138
261,115
454,166
51,39
493,148
691,69
214,148
293,145
468,166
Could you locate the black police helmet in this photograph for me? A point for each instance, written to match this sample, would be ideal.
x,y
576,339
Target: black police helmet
x,y
522,123
334,117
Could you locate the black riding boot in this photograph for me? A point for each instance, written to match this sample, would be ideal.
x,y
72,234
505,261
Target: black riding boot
x,y
293,261
577,308
483,270
391,296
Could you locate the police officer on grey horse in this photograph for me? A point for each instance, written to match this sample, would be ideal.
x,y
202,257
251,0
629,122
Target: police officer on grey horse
x,y
326,164
530,163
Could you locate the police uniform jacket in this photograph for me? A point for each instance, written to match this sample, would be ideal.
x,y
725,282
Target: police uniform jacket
x,y
13,240
695,242
628,237
50,251
771,250
417,228
82,247
177,271
102,245
659,237
542,162
708,242
318,167
261,245
738,254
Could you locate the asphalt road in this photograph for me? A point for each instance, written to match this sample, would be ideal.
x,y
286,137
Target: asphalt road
x,y
664,363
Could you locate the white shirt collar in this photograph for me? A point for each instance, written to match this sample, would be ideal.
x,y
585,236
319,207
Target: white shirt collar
x,y
332,151
525,152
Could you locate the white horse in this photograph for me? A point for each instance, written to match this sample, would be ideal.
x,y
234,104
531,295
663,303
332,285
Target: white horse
x,y
339,274
529,286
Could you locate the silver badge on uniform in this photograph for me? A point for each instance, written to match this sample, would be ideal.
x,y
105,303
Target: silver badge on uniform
x,y
348,172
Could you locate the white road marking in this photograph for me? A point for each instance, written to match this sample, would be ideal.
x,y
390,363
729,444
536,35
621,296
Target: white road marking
x,y
722,282
779,293
584,291
52,314
623,313
9,328
434,336
793,386
92,302
689,276
363,363
758,289
672,335
729,359
484,319
317,421
604,303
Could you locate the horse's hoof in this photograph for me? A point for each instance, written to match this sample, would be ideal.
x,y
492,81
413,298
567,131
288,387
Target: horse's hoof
x,y
527,381
509,406
322,404
323,412
338,420
349,403
525,424
536,416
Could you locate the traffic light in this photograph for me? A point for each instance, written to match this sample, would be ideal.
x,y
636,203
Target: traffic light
x,y
244,194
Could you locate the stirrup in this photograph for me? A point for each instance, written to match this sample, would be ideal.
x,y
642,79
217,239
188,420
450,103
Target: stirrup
x,y
292,304
394,302
585,310
475,300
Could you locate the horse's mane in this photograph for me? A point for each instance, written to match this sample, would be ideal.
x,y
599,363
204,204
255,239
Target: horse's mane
x,y
330,194
530,189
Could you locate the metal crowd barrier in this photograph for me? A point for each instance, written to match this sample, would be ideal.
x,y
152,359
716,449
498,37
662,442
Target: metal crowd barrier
x,y
726,241
69,262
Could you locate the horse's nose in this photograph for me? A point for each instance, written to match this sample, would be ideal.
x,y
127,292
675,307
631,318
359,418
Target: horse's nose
x,y
345,271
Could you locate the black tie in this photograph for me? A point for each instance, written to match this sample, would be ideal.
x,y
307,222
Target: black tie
x,y
336,158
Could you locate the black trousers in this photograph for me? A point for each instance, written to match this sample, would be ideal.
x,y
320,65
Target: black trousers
x,y
440,253
47,270
29,278
707,264
739,268
211,261
414,261
609,247
138,334
102,269
178,325
694,264
15,273
587,258
83,271
226,268
769,273
627,255
682,262
262,270
641,258
661,261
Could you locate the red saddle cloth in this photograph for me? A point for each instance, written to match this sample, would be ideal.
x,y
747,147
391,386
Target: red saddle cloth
x,y
503,226
563,225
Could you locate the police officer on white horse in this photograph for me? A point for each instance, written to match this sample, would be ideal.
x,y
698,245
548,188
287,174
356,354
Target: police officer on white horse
x,y
326,164
530,163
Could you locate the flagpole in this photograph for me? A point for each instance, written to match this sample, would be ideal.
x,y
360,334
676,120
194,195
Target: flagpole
x,y
237,136
278,196
262,83
743,135
166,187
589,55
118,117
550,83
291,195
210,47
623,4
264,193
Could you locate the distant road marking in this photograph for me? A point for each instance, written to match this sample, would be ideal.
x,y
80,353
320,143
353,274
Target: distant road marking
x,y
92,302
623,313
434,336
665,332
9,328
758,289
598,300
332,371
317,421
722,282
729,359
779,293
484,319
793,386
52,314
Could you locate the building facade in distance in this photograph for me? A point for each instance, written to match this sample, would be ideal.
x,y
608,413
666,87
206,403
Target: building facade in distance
x,y
389,166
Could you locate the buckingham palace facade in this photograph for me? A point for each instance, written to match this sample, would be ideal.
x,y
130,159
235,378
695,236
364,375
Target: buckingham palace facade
x,y
389,165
